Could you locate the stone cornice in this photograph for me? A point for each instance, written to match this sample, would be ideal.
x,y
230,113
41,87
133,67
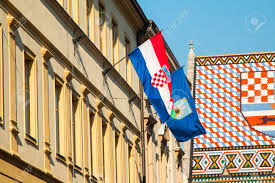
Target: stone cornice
x,y
149,122
133,14
150,119
40,38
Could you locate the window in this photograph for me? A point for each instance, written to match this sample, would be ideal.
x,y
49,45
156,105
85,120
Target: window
x,y
77,131
30,96
73,9
130,167
101,26
92,118
114,43
117,155
128,70
1,77
90,19
163,171
105,142
59,117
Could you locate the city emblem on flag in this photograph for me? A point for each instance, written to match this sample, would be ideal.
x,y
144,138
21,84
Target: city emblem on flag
x,y
181,108
258,100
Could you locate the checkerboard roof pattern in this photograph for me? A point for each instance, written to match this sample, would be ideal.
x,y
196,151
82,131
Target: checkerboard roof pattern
x,y
218,89
257,87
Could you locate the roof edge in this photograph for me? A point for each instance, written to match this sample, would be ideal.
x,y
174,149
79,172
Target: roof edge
x,y
235,54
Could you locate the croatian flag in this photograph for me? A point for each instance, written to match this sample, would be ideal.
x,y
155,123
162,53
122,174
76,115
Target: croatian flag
x,y
151,64
168,93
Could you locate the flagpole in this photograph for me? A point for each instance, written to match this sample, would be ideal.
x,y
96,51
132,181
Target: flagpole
x,y
104,72
143,132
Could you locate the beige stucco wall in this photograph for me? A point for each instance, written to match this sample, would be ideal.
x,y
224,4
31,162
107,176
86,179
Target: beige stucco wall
x,y
59,36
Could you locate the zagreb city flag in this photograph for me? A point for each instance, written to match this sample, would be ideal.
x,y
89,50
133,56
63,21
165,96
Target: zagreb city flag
x,y
151,64
185,124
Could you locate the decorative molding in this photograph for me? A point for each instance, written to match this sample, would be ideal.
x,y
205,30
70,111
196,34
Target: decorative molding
x,y
123,127
68,75
136,139
11,21
46,55
233,148
111,115
84,90
47,148
241,179
13,127
99,104
149,122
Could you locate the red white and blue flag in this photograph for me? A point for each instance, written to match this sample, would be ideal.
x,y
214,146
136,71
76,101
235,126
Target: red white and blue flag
x,y
168,93
151,63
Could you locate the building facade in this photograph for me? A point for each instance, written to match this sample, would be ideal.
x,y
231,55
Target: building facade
x,y
235,101
67,115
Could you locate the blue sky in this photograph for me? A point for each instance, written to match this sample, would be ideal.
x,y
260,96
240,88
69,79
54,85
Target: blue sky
x,y
215,26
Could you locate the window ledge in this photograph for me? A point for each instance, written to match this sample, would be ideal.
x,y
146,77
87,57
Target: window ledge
x,y
78,168
60,158
93,178
31,139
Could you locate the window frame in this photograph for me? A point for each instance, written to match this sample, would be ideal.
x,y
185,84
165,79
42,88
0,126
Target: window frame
x,y
128,65
101,26
90,19
104,133
61,117
33,138
115,45
1,79
91,121
130,151
74,10
74,120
